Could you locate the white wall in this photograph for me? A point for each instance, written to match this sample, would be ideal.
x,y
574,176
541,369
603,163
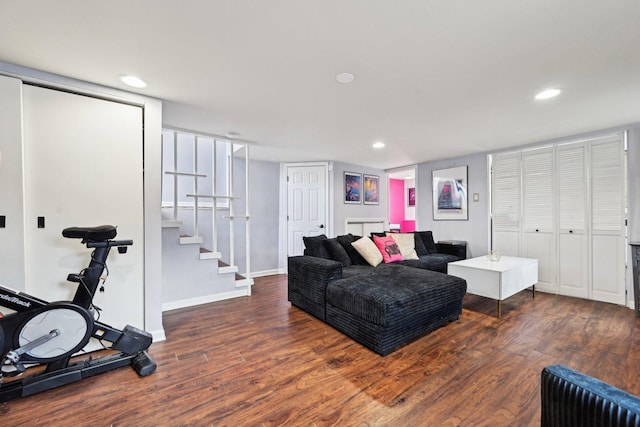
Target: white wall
x,y
342,210
476,230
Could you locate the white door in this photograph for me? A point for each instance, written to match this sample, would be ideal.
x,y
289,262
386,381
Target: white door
x,y
505,203
83,167
573,253
12,272
538,230
607,220
306,205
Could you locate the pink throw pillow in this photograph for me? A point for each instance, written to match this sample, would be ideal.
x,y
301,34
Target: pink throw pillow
x,y
388,248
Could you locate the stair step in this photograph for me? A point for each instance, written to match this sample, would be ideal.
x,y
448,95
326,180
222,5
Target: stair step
x,y
190,240
228,269
223,267
207,254
171,223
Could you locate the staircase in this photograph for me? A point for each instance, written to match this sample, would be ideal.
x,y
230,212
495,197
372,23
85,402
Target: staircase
x,y
205,211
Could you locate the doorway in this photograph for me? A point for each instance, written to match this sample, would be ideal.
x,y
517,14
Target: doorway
x,y
307,204
403,198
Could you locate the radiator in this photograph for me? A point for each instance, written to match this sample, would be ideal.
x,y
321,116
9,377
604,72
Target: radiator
x,y
574,399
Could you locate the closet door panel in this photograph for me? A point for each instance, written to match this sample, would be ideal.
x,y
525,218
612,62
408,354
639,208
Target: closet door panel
x,y
607,220
538,213
12,266
506,203
542,246
573,265
573,245
608,269
83,167
507,242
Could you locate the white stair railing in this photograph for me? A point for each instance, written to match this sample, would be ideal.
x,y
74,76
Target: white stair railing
x,y
229,148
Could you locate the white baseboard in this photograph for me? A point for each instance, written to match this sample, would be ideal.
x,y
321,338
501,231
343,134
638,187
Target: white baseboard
x,y
267,272
190,302
158,335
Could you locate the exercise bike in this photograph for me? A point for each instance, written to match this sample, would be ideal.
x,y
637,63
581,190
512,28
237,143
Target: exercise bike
x,y
41,333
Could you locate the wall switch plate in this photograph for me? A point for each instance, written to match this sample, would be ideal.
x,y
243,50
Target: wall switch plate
x,y
476,197
40,222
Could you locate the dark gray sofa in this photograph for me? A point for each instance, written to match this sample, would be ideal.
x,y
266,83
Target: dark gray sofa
x,y
571,398
382,307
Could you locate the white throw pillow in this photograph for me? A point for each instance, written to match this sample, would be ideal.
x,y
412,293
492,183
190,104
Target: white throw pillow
x,y
407,244
368,250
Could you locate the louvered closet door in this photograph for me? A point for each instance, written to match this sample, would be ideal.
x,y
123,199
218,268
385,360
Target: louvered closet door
x,y
573,248
539,237
505,203
607,220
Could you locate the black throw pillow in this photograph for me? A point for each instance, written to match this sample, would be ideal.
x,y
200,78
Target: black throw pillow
x,y
314,246
427,239
337,252
345,241
420,247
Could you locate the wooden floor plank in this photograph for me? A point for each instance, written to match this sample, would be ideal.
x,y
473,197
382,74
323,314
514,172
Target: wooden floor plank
x,y
257,361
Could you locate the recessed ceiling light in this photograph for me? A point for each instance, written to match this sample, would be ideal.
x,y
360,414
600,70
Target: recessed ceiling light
x,y
344,78
549,93
378,144
133,81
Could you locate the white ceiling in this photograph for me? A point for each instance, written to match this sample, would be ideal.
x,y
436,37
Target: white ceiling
x,y
434,79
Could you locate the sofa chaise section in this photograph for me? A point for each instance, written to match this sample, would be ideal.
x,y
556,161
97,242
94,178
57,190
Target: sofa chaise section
x,y
393,307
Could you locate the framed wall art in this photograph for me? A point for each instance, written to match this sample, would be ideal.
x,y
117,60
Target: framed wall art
x,y
450,194
352,188
371,190
411,196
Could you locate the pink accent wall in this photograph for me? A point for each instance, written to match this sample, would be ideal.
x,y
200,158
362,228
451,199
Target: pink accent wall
x,y
396,201
408,226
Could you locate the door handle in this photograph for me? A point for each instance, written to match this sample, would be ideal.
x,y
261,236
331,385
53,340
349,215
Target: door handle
x,y
321,226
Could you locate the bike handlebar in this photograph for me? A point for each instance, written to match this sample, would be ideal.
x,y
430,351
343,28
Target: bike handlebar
x,y
109,243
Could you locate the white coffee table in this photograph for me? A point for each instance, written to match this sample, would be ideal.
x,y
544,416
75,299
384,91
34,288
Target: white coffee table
x,y
496,279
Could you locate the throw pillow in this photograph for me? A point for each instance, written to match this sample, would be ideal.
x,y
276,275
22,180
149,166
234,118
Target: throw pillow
x,y
406,243
427,239
346,240
420,248
388,248
314,246
368,250
337,252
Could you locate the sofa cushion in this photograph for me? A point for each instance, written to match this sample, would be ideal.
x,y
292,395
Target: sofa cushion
x,y
393,293
428,262
388,248
368,250
358,270
337,252
406,243
346,240
314,246
427,239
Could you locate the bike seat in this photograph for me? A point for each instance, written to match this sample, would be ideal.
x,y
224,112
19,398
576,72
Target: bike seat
x,y
96,234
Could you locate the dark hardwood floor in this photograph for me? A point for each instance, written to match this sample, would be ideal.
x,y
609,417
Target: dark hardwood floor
x,y
257,361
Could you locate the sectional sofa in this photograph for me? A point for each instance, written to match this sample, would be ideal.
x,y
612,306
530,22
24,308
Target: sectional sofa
x,y
384,306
